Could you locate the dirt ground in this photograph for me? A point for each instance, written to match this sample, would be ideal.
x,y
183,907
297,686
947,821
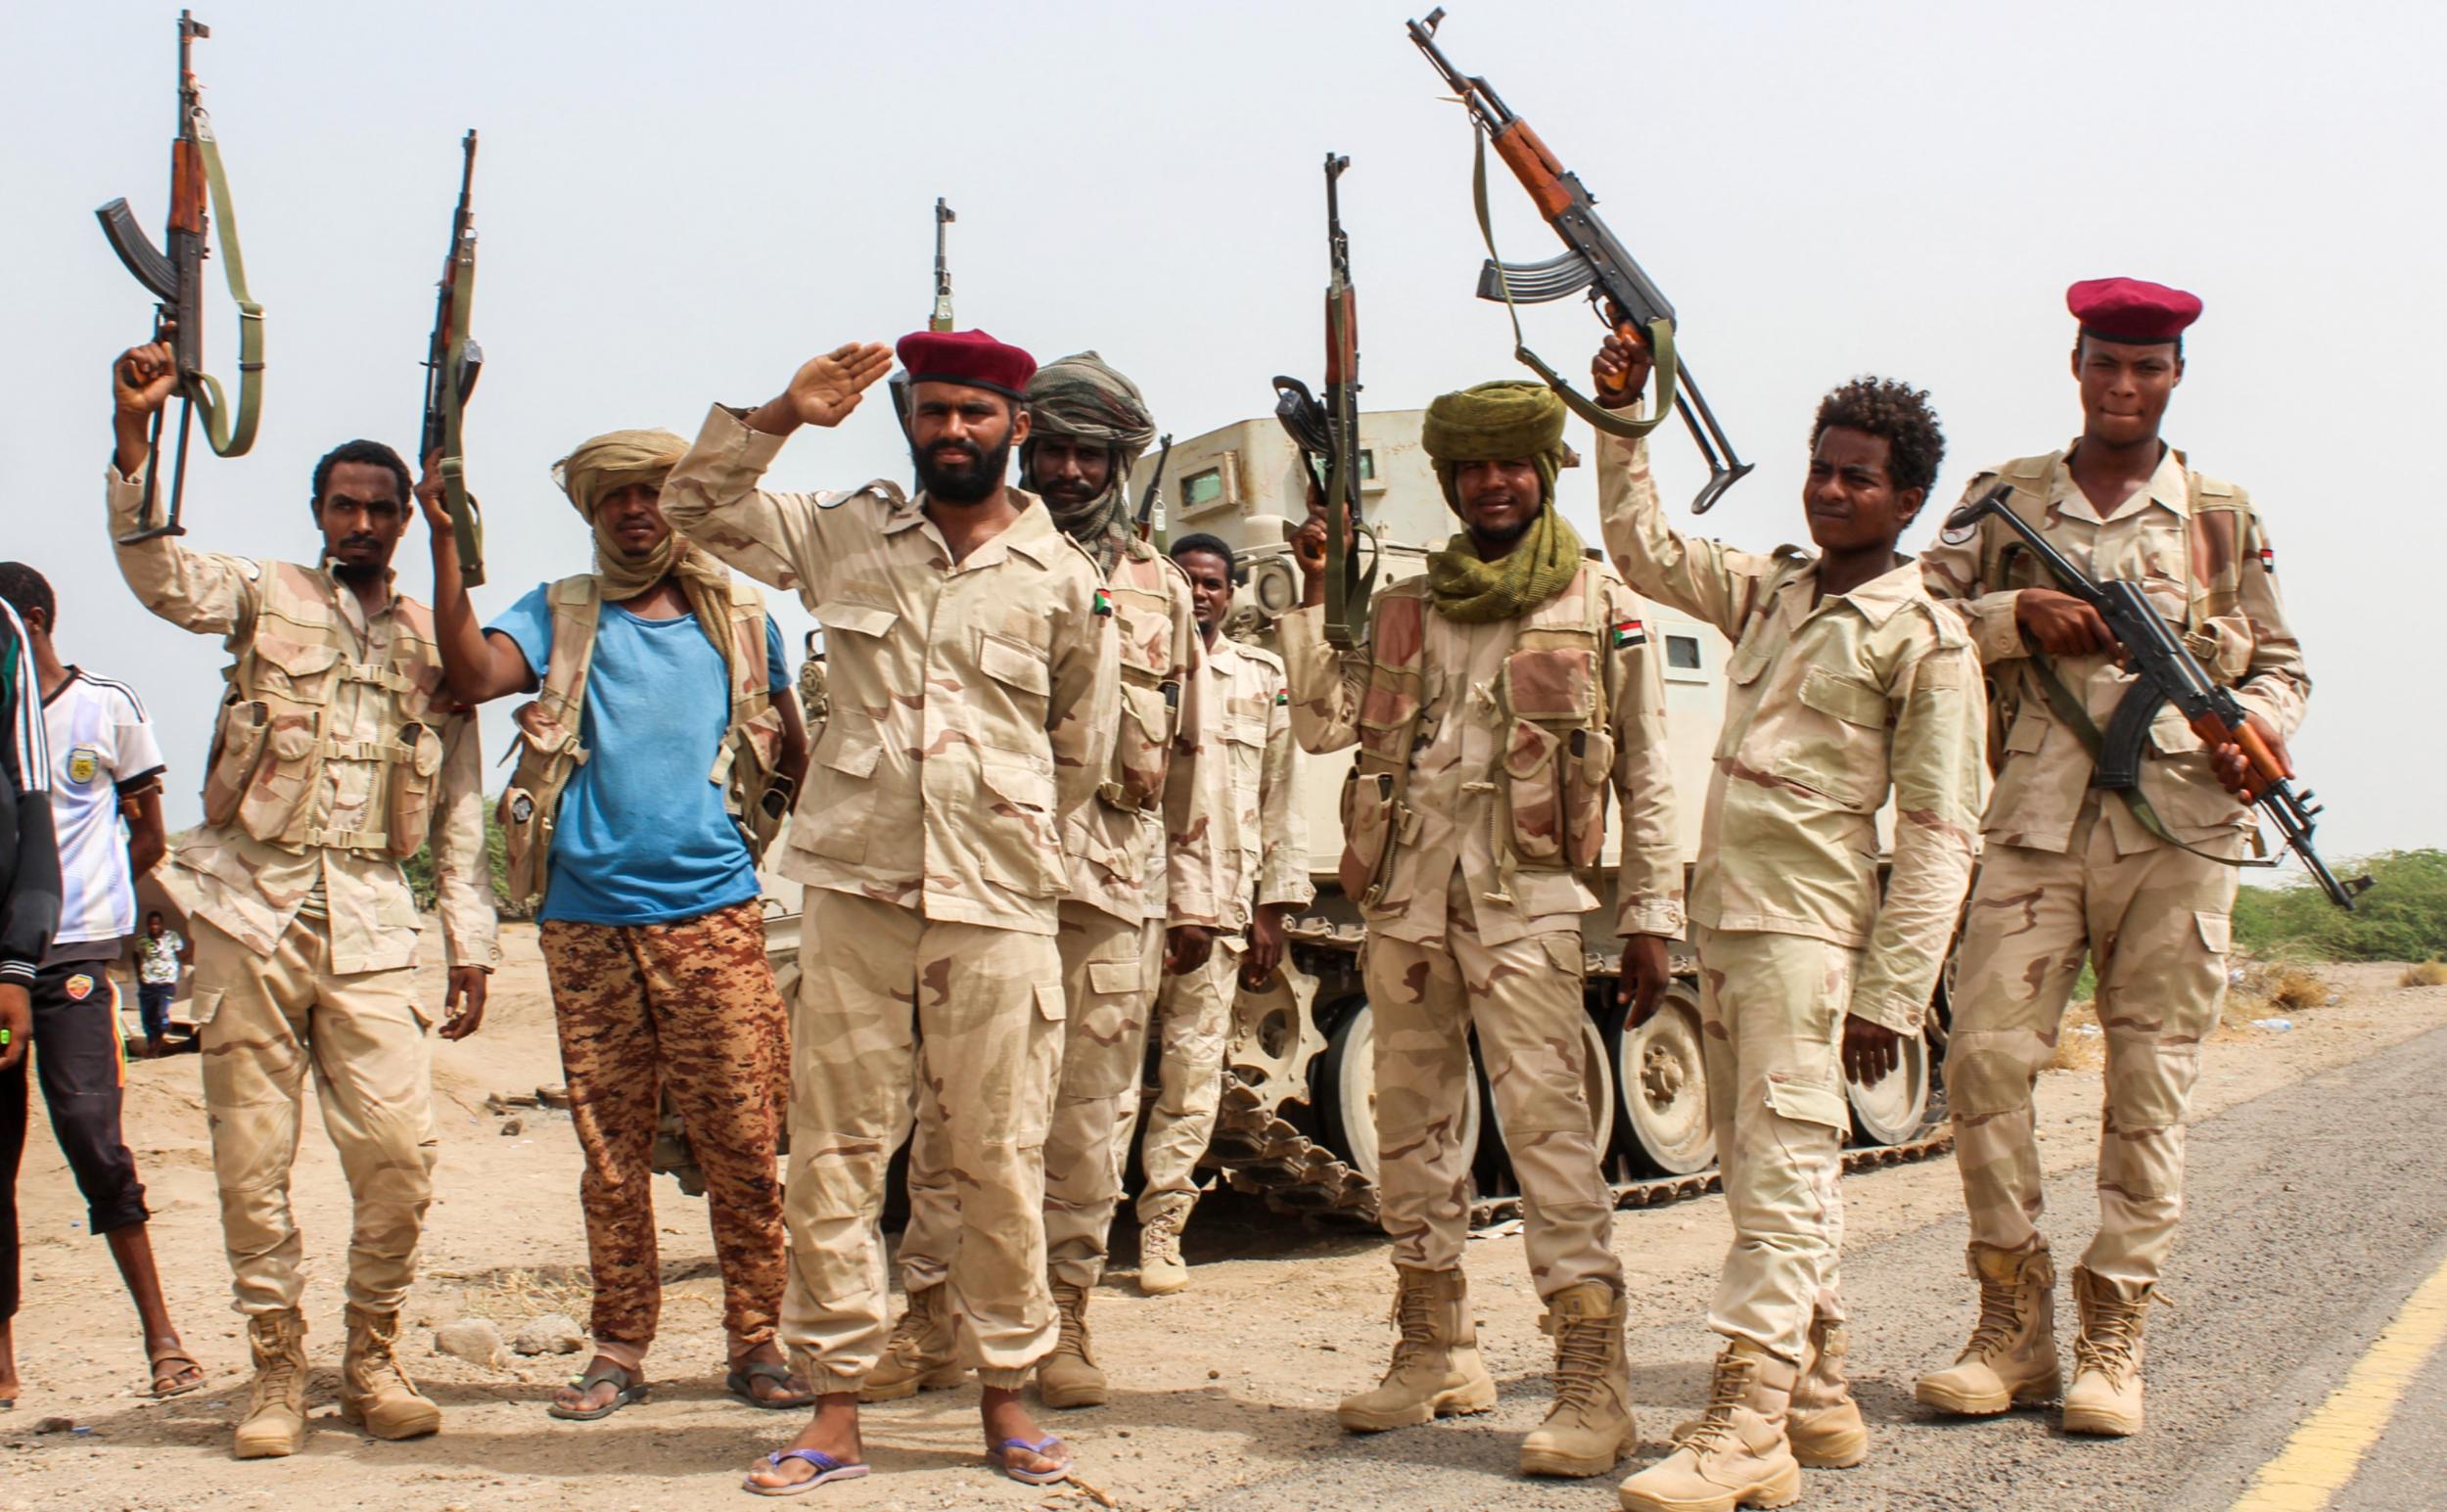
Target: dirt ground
x,y
1212,1388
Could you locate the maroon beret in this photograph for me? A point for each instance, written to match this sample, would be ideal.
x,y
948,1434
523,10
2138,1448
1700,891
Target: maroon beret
x,y
2131,310
968,357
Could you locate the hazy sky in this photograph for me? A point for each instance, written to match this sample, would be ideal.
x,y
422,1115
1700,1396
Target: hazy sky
x,y
679,204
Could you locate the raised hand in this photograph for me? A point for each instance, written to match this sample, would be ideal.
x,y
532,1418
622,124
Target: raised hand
x,y
143,379
826,389
1629,361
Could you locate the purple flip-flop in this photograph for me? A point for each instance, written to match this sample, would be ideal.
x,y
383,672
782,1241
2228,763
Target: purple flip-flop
x,y
827,1471
1043,1449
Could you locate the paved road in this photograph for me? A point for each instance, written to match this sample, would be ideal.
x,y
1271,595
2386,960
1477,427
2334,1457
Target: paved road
x,y
2314,1214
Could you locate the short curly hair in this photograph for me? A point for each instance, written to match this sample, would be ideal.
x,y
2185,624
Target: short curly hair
x,y
1897,411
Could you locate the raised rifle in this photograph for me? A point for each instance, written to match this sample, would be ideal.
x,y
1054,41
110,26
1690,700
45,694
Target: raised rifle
x,y
2163,672
1151,502
452,363
1625,297
1327,432
939,320
177,280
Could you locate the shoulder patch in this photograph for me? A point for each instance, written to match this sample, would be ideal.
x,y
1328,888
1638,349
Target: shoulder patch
x,y
880,490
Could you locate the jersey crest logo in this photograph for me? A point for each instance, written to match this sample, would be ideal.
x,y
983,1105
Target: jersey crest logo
x,y
78,988
84,763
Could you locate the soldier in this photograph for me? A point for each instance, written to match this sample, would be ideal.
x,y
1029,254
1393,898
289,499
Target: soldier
x,y
1255,841
1136,904
658,673
1497,699
339,752
2141,883
1848,684
972,680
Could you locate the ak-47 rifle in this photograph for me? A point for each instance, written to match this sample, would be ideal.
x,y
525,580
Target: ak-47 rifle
x,y
1151,502
1328,432
2163,672
452,363
1626,300
176,280
939,320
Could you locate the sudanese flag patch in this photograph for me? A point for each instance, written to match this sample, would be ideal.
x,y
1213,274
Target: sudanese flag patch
x,y
2268,559
1104,602
1282,696
1628,632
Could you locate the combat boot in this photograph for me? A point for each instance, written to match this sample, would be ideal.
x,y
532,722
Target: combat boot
x,y
375,1392
275,1422
923,1354
2011,1358
2106,1394
1590,1427
1825,1426
1436,1370
1069,1376
1737,1454
1161,1268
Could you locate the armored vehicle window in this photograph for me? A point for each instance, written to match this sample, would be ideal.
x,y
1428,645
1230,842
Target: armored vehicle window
x,y
1202,488
1683,650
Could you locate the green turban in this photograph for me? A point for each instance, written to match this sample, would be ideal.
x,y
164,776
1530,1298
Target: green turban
x,y
1509,420
1084,398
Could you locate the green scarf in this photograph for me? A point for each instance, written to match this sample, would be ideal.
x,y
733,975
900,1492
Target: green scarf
x,y
1468,589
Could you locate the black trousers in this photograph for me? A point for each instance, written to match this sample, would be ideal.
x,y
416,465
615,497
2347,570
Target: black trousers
x,y
79,1058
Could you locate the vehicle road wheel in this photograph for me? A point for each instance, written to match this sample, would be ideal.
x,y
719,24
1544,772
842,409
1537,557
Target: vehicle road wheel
x,y
1661,1087
1345,1089
1897,1106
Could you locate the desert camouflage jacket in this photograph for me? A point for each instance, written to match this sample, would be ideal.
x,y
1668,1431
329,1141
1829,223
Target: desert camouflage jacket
x,y
973,702
1256,844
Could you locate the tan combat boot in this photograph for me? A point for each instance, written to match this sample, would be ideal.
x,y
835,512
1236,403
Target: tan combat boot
x,y
1436,1370
2011,1358
374,1391
1590,1427
275,1422
1735,1455
923,1354
1069,1376
2106,1394
1825,1426
1161,1268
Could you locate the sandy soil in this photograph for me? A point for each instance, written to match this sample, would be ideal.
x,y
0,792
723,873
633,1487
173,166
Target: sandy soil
x,y
1235,1377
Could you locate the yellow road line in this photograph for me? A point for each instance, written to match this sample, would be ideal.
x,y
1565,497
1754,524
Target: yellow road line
x,y
2327,1448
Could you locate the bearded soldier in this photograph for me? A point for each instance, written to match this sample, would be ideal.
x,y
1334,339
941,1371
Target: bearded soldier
x,y
1499,699
339,752
971,667
2140,882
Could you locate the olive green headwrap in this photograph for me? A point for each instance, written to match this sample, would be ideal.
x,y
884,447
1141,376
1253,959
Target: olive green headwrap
x,y
612,461
1503,420
1084,398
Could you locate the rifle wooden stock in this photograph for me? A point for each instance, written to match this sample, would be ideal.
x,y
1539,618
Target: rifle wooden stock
x,y
1535,166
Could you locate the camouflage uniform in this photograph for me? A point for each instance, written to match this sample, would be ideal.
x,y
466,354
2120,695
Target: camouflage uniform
x,y
1256,845
2070,873
972,702
337,755
1496,725
1831,703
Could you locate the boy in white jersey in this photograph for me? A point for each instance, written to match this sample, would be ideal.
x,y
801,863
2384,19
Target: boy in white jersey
x,y
104,763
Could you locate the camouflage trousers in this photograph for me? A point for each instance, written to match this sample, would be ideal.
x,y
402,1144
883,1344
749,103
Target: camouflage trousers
x,y
264,1023
1772,1027
875,978
1524,997
2154,925
1193,1020
689,1009
1109,971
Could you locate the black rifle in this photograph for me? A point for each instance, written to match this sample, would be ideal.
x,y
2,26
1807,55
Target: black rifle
x,y
176,280
1328,434
1633,307
1151,502
453,364
2165,672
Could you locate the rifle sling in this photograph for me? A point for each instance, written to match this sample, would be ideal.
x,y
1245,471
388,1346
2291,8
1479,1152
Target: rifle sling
x,y
229,435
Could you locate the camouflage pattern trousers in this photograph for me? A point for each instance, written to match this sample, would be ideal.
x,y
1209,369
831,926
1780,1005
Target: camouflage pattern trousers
x,y
1193,1017
1772,1027
875,978
1524,997
1109,969
263,1021
2154,925
689,1009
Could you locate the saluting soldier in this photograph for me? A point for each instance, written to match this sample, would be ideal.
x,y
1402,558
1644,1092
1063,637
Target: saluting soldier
x,y
1137,905
1499,699
339,752
1848,685
1257,849
972,676
2141,882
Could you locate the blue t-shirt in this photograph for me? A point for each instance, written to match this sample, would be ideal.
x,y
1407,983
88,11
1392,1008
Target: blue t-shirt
x,y
641,837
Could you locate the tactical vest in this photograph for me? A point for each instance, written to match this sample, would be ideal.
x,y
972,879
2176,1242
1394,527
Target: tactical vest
x,y
550,751
1556,759
273,745
1151,700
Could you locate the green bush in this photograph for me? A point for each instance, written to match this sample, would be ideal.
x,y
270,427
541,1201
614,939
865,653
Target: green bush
x,y
2402,918
420,870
